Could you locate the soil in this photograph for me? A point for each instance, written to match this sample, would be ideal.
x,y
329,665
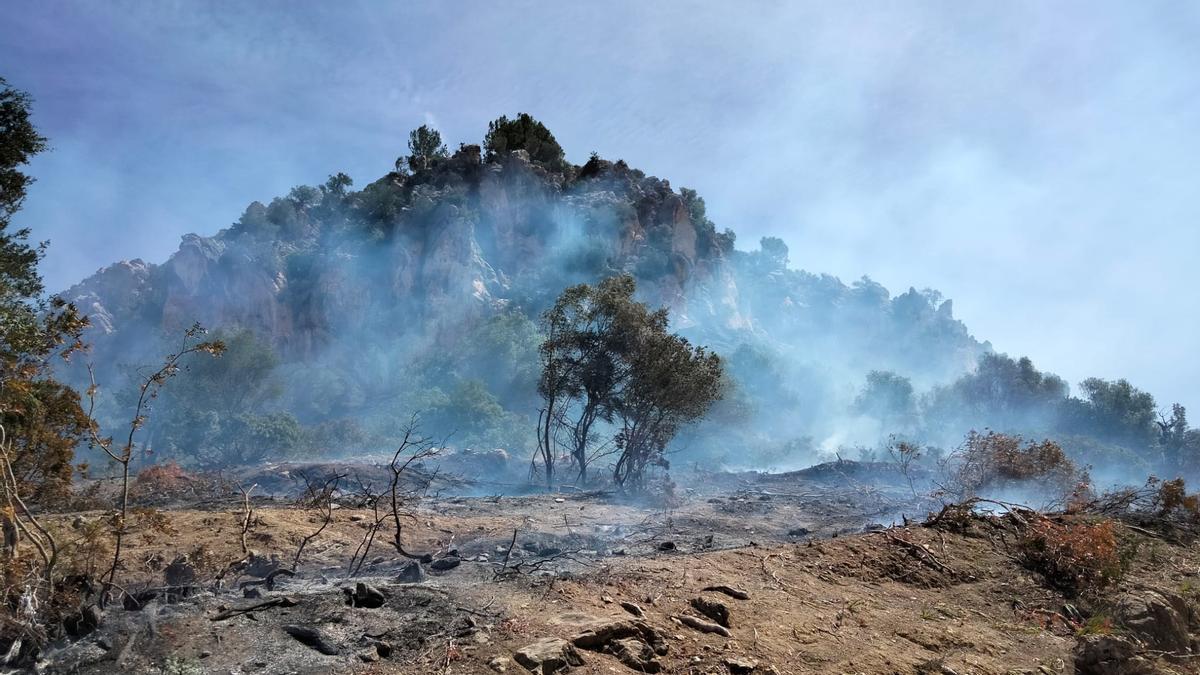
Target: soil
x,y
838,578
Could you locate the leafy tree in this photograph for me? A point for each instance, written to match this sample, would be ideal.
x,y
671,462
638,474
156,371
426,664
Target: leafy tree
x,y
1001,393
524,133
473,415
589,335
609,359
424,147
889,398
672,384
219,415
42,419
1116,411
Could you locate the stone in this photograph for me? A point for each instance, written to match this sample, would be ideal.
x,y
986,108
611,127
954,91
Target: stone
x,y
1110,655
739,665
798,532
312,637
713,609
411,573
1158,619
635,654
500,664
446,564
368,596
549,655
633,608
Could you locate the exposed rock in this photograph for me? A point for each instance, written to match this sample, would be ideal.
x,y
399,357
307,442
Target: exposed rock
x,y
1110,655
365,595
739,665
713,609
635,654
703,626
179,572
1158,619
313,637
500,664
732,592
667,546
549,655
798,532
445,564
633,608
600,634
411,573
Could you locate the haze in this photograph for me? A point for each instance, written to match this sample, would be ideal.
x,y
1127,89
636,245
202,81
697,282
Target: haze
x,y
1035,163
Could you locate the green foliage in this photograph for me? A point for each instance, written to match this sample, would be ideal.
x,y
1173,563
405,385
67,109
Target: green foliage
x,y
1117,411
424,148
41,418
219,415
471,416
1002,393
889,398
608,358
524,133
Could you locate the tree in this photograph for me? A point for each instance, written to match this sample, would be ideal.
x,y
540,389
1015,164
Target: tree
x,y
1116,411
524,133
424,146
219,415
608,359
589,333
672,384
888,397
42,417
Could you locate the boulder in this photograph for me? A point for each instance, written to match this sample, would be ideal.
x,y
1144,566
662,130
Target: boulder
x,y
740,665
548,655
1110,655
1158,619
411,573
365,595
446,564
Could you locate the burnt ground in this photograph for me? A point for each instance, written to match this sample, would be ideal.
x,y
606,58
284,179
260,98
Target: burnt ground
x,y
834,585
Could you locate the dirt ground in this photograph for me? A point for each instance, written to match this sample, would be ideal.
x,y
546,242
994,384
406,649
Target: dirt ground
x,y
835,583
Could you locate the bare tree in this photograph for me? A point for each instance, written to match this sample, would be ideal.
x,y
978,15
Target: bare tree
x,y
318,495
148,390
414,447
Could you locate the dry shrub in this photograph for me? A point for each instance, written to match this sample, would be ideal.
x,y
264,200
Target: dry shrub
x,y
1005,466
161,481
1173,501
1076,558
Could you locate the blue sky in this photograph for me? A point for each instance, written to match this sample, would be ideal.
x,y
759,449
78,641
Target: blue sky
x,y
1036,162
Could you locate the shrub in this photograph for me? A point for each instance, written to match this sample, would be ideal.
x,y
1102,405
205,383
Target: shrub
x,y
161,481
1003,465
1076,558
524,133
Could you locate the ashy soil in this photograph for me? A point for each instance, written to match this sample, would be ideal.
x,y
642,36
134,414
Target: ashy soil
x,y
823,572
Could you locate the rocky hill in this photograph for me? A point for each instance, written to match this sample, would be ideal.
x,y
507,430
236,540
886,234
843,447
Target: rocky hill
x,y
414,262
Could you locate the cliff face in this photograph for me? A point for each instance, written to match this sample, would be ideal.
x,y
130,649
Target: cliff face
x,y
424,257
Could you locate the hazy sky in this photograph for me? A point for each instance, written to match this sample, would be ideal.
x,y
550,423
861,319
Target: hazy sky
x,y
1037,162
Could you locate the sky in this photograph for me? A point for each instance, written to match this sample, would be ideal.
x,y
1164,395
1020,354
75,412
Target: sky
x,y
1036,162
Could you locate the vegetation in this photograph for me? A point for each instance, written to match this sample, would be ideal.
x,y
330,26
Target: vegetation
x,y
608,359
524,133
424,148
42,418
1079,558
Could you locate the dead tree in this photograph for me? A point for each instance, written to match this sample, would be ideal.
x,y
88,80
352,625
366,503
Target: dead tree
x,y
318,495
148,390
414,447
